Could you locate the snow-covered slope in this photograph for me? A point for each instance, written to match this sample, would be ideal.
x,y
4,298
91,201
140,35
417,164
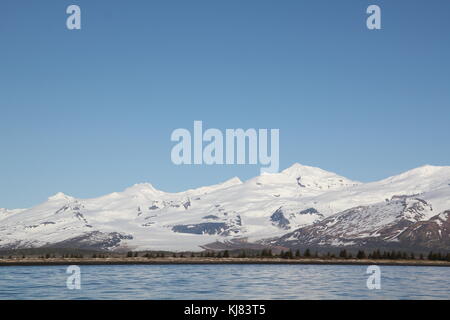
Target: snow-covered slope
x,y
267,206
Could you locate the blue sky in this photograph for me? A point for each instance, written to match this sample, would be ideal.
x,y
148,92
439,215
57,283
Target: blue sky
x,y
90,112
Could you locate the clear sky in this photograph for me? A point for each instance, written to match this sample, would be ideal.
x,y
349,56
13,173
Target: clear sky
x,y
90,112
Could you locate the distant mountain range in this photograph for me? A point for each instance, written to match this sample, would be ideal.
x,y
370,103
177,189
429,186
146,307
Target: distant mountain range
x,y
299,207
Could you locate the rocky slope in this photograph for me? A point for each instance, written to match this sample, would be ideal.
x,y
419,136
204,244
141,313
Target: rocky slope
x,y
402,221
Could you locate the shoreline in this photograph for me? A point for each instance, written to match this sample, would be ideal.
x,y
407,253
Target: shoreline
x,y
213,261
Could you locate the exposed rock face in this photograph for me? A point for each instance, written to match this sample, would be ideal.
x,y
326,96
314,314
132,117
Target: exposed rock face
x,y
94,240
309,211
434,233
203,228
403,219
211,217
279,219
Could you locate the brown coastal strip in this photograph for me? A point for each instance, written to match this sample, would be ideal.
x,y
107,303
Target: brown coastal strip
x,y
200,261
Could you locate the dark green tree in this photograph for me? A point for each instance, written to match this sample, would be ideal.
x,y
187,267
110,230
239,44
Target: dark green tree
x,y
343,254
361,254
307,253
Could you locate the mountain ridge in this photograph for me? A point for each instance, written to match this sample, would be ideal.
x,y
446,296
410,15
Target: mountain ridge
x,y
269,206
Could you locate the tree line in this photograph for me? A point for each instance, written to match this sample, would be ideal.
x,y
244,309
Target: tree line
x,y
265,253
297,254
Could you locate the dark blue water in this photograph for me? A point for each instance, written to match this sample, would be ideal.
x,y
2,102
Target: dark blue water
x,y
224,282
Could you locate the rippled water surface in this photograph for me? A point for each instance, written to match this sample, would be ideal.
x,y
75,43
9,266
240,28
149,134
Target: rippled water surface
x,y
224,282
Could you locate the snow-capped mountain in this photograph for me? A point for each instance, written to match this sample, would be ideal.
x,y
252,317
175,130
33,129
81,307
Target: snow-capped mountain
x,y
300,205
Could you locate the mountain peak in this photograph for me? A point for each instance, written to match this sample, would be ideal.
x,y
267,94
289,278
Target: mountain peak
x,y
428,168
207,189
60,196
141,188
316,178
232,181
297,167
425,171
300,169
